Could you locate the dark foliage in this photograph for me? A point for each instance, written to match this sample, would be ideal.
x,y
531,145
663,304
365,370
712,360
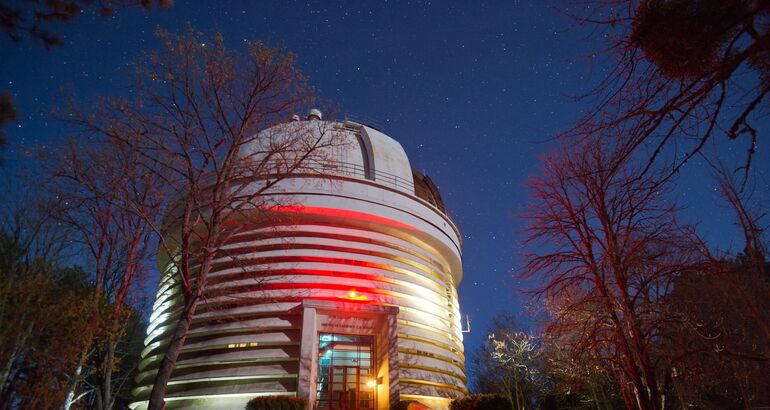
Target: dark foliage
x,y
276,403
482,402
44,326
720,354
7,114
34,18
686,37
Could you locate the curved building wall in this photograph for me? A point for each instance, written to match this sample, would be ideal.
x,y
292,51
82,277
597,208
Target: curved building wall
x,y
356,252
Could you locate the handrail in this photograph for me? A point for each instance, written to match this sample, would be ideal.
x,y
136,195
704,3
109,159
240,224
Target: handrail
x,y
380,177
357,170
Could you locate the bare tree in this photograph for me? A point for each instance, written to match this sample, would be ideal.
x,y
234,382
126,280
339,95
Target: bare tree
x,y
607,246
681,73
510,363
577,382
750,217
106,196
194,125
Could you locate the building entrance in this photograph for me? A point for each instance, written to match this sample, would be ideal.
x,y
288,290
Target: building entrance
x,y
345,379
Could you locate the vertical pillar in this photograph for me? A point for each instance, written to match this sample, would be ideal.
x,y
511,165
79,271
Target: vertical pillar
x,y
393,372
308,366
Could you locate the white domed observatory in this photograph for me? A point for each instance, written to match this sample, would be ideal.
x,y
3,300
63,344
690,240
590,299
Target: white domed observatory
x,y
355,305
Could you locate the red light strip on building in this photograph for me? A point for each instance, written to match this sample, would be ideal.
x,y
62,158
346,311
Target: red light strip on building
x,y
344,214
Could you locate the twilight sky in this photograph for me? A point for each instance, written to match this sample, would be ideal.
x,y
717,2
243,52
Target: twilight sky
x,y
474,91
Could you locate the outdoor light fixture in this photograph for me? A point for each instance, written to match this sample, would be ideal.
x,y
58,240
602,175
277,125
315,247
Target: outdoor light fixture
x,y
353,295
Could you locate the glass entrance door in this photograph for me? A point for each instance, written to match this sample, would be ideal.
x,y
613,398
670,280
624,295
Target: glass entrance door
x,y
344,372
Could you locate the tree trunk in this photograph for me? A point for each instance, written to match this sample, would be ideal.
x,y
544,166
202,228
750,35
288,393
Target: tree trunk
x,y
594,397
168,363
75,381
8,368
5,399
99,402
107,396
4,378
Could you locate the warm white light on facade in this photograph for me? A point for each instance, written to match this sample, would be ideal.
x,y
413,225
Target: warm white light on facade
x,y
360,286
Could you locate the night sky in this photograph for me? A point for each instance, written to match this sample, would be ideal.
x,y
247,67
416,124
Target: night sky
x,y
474,91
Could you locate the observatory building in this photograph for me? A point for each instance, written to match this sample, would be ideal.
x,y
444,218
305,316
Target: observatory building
x,y
350,301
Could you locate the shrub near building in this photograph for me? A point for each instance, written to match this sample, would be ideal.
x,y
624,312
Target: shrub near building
x,y
482,402
410,405
276,403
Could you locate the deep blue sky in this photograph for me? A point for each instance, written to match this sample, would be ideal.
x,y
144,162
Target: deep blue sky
x,y
474,91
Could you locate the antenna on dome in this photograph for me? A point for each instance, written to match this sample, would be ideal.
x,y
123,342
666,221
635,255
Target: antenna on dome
x,y
467,327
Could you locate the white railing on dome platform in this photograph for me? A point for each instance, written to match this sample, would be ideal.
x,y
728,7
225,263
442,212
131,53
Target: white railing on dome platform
x,y
357,171
342,169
